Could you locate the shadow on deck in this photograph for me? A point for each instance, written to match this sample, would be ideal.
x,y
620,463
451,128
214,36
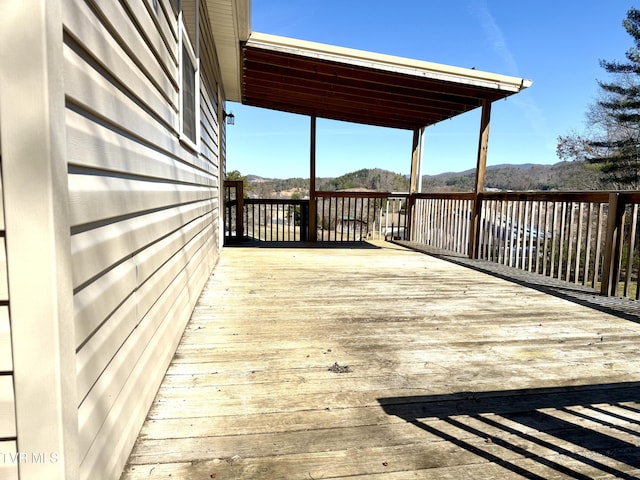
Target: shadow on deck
x,y
620,306
252,243
379,362
503,427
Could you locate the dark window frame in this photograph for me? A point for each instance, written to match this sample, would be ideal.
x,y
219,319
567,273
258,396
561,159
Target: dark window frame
x,y
189,89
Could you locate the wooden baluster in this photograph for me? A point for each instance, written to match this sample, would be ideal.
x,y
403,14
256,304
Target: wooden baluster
x,y
613,244
579,243
587,245
570,237
630,254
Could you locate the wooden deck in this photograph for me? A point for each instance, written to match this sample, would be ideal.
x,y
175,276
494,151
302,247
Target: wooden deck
x,y
447,373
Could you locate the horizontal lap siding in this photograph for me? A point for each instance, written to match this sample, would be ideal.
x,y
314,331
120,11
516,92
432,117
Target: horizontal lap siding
x,y
144,214
212,129
8,469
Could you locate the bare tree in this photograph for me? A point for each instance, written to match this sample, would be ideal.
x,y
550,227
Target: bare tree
x,y
611,142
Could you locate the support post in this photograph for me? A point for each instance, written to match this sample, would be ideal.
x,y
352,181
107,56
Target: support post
x,y
613,245
415,158
313,220
481,168
421,159
414,182
240,210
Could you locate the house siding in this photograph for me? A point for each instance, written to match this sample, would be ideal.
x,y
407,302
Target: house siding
x,y
8,469
143,210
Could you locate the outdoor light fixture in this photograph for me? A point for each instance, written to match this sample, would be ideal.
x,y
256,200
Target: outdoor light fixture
x,y
229,118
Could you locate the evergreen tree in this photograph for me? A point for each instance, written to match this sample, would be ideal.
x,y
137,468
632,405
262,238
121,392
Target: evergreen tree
x,y
237,176
615,149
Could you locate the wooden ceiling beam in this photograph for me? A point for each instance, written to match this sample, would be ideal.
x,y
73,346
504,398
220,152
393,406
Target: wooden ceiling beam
x,y
291,64
348,104
389,102
266,73
354,116
311,79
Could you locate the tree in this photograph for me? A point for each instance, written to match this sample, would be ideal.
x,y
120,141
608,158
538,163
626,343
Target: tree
x,y
295,213
612,142
235,175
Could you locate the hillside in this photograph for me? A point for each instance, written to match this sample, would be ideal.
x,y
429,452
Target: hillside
x,y
559,176
374,179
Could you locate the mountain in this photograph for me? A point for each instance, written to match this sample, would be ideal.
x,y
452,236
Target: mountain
x,y
375,179
560,176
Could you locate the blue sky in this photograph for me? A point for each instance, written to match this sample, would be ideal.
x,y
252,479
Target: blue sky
x,y
556,44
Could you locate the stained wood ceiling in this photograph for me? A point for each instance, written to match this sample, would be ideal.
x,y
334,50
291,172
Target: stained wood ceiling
x,y
362,87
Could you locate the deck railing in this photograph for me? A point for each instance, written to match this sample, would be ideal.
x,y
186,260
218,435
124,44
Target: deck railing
x,y
267,220
443,221
233,210
587,238
340,216
560,235
355,216
276,220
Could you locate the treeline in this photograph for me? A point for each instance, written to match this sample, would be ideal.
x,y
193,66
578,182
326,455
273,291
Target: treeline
x,y
375,179
575,175
368,178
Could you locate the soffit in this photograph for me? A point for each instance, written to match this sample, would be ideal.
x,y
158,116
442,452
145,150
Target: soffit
x,y
231,26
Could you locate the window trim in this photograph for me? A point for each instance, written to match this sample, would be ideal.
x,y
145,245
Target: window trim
x,y
184,44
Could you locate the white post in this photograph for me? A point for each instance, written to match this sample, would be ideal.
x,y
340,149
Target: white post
x,y
34,168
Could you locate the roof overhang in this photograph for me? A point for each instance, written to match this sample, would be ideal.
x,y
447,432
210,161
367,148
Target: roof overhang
x,y
231,25
362,87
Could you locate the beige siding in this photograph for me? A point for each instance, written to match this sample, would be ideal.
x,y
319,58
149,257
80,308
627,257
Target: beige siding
x,y
212,129
8,469
144,213
6,362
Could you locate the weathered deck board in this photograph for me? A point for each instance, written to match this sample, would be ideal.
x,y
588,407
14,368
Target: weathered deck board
x,y
453,374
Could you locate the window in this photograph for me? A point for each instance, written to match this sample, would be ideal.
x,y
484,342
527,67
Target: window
x,y
189,90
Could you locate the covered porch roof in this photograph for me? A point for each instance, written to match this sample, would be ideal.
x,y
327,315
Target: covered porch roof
x,y
362,87
345,84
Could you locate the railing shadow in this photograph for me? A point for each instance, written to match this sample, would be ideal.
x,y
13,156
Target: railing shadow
x,y
566,432
618,306
254,243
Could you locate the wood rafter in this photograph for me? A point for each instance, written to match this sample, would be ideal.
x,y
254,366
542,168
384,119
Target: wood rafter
x,y
299,81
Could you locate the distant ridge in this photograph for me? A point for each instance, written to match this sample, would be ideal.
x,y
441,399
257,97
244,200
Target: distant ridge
x,y
522,166
520,177
517,177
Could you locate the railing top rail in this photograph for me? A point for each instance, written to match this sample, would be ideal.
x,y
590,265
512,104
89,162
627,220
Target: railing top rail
x,y
447,195
597,197
231,183
630,197
360,194
275,201
572,196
